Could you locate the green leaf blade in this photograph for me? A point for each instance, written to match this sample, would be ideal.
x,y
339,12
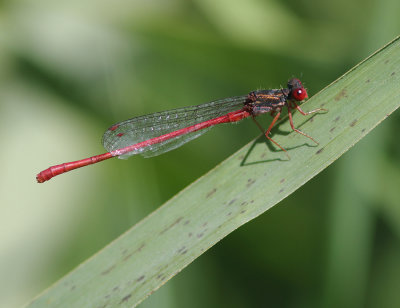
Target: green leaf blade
x,y
242,187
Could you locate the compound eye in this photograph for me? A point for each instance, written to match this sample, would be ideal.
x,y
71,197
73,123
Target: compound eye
x,y
300,94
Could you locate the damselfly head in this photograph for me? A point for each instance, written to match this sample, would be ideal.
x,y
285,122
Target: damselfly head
x,y
297,91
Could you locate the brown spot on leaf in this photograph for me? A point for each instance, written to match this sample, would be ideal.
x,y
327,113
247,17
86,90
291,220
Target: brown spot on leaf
x,y
250,182
128,256
161,276
210,193
340,95
319,151
140,278
353,123
108,270
232,201
171,225
140,247
133,252
181,249
125,298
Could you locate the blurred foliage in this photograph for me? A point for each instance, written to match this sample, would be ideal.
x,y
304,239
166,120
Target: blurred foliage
x,y
69,69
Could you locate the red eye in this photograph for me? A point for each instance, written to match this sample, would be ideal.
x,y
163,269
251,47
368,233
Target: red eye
x,y
299,94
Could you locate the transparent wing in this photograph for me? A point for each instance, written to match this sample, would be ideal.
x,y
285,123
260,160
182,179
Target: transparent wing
x,y
150,126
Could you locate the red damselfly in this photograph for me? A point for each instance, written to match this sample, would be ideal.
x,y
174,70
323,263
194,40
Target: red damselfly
x,y
157,133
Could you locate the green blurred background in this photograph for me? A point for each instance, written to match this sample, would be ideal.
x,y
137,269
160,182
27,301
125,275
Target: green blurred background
x,y
70,69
